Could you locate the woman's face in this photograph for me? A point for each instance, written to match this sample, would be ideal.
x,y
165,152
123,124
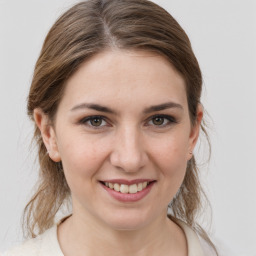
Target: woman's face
x,y
123,122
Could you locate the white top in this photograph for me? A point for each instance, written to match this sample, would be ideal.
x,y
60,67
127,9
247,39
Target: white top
x,y
47,244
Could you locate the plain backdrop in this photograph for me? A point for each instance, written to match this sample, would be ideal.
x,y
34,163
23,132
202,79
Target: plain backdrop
x,y
223,38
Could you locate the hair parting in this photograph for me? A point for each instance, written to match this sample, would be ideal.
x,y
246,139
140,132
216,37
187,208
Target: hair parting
x,y
86,29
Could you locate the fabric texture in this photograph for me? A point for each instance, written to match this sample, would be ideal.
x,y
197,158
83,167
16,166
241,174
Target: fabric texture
x,y
47,244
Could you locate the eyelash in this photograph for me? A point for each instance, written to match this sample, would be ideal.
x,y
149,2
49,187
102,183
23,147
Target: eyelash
x,y
169,120
85,121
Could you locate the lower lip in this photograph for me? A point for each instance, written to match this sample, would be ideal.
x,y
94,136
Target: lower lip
x,y
122,197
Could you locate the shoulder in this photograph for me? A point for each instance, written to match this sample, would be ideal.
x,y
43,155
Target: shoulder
x,y
193,242
198,246
30,247
43,245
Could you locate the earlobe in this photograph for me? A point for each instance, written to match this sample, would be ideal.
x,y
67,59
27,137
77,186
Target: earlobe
x,y
48,134
195,130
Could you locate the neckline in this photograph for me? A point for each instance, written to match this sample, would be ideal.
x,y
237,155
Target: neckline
x,y
51,240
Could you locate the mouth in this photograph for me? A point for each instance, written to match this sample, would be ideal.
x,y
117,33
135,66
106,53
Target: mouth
x,y
128,191
125,188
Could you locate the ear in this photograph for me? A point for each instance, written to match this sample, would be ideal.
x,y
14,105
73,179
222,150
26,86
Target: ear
x,y
195,130
48,134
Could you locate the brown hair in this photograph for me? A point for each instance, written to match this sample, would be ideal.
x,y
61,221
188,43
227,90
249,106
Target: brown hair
x,y
86,29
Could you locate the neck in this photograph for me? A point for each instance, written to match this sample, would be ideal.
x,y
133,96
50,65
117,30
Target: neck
x,y
86,236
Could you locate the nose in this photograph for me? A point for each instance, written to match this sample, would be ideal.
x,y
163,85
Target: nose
x,y
128,151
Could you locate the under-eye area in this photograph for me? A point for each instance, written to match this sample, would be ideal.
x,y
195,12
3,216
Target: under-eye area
x,y
127,189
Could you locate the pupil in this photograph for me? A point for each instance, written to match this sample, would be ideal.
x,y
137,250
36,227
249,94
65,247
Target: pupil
x,y
158,120
96,122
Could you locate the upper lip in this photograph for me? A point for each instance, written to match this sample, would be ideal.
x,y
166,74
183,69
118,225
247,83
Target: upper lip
x,y
128,182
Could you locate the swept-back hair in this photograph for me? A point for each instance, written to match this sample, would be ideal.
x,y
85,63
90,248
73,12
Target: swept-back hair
x,y
85,30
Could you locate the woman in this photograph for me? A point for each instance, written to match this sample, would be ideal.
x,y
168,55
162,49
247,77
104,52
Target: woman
x,y
115,99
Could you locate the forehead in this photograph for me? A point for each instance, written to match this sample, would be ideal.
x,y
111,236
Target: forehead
x,y
131,77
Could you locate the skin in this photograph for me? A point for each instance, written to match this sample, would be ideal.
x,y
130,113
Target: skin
x,y
129,143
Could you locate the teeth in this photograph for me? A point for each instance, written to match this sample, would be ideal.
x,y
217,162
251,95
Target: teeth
x,y
125,189
133,189
116,187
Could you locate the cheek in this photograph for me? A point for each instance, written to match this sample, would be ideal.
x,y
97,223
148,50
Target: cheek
x,y
171,153
171,159
82,158
173,167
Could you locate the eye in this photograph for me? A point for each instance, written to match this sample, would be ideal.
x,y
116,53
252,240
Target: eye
x,y
158,120
162,120
94,121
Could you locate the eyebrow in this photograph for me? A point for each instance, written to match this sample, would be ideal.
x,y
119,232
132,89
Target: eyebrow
x,y
97,107
163,106
105,109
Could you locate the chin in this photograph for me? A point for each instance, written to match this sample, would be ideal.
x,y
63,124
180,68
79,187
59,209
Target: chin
x,y
128,221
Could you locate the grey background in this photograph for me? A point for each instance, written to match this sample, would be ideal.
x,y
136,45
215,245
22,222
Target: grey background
x,y
223,38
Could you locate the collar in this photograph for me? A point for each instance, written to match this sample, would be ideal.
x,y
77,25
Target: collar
x,y
50,244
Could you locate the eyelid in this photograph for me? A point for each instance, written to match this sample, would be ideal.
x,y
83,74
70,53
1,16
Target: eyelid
x,y
85,121
171,120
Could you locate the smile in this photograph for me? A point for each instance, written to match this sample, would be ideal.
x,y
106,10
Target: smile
x,y
125,189
128,191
